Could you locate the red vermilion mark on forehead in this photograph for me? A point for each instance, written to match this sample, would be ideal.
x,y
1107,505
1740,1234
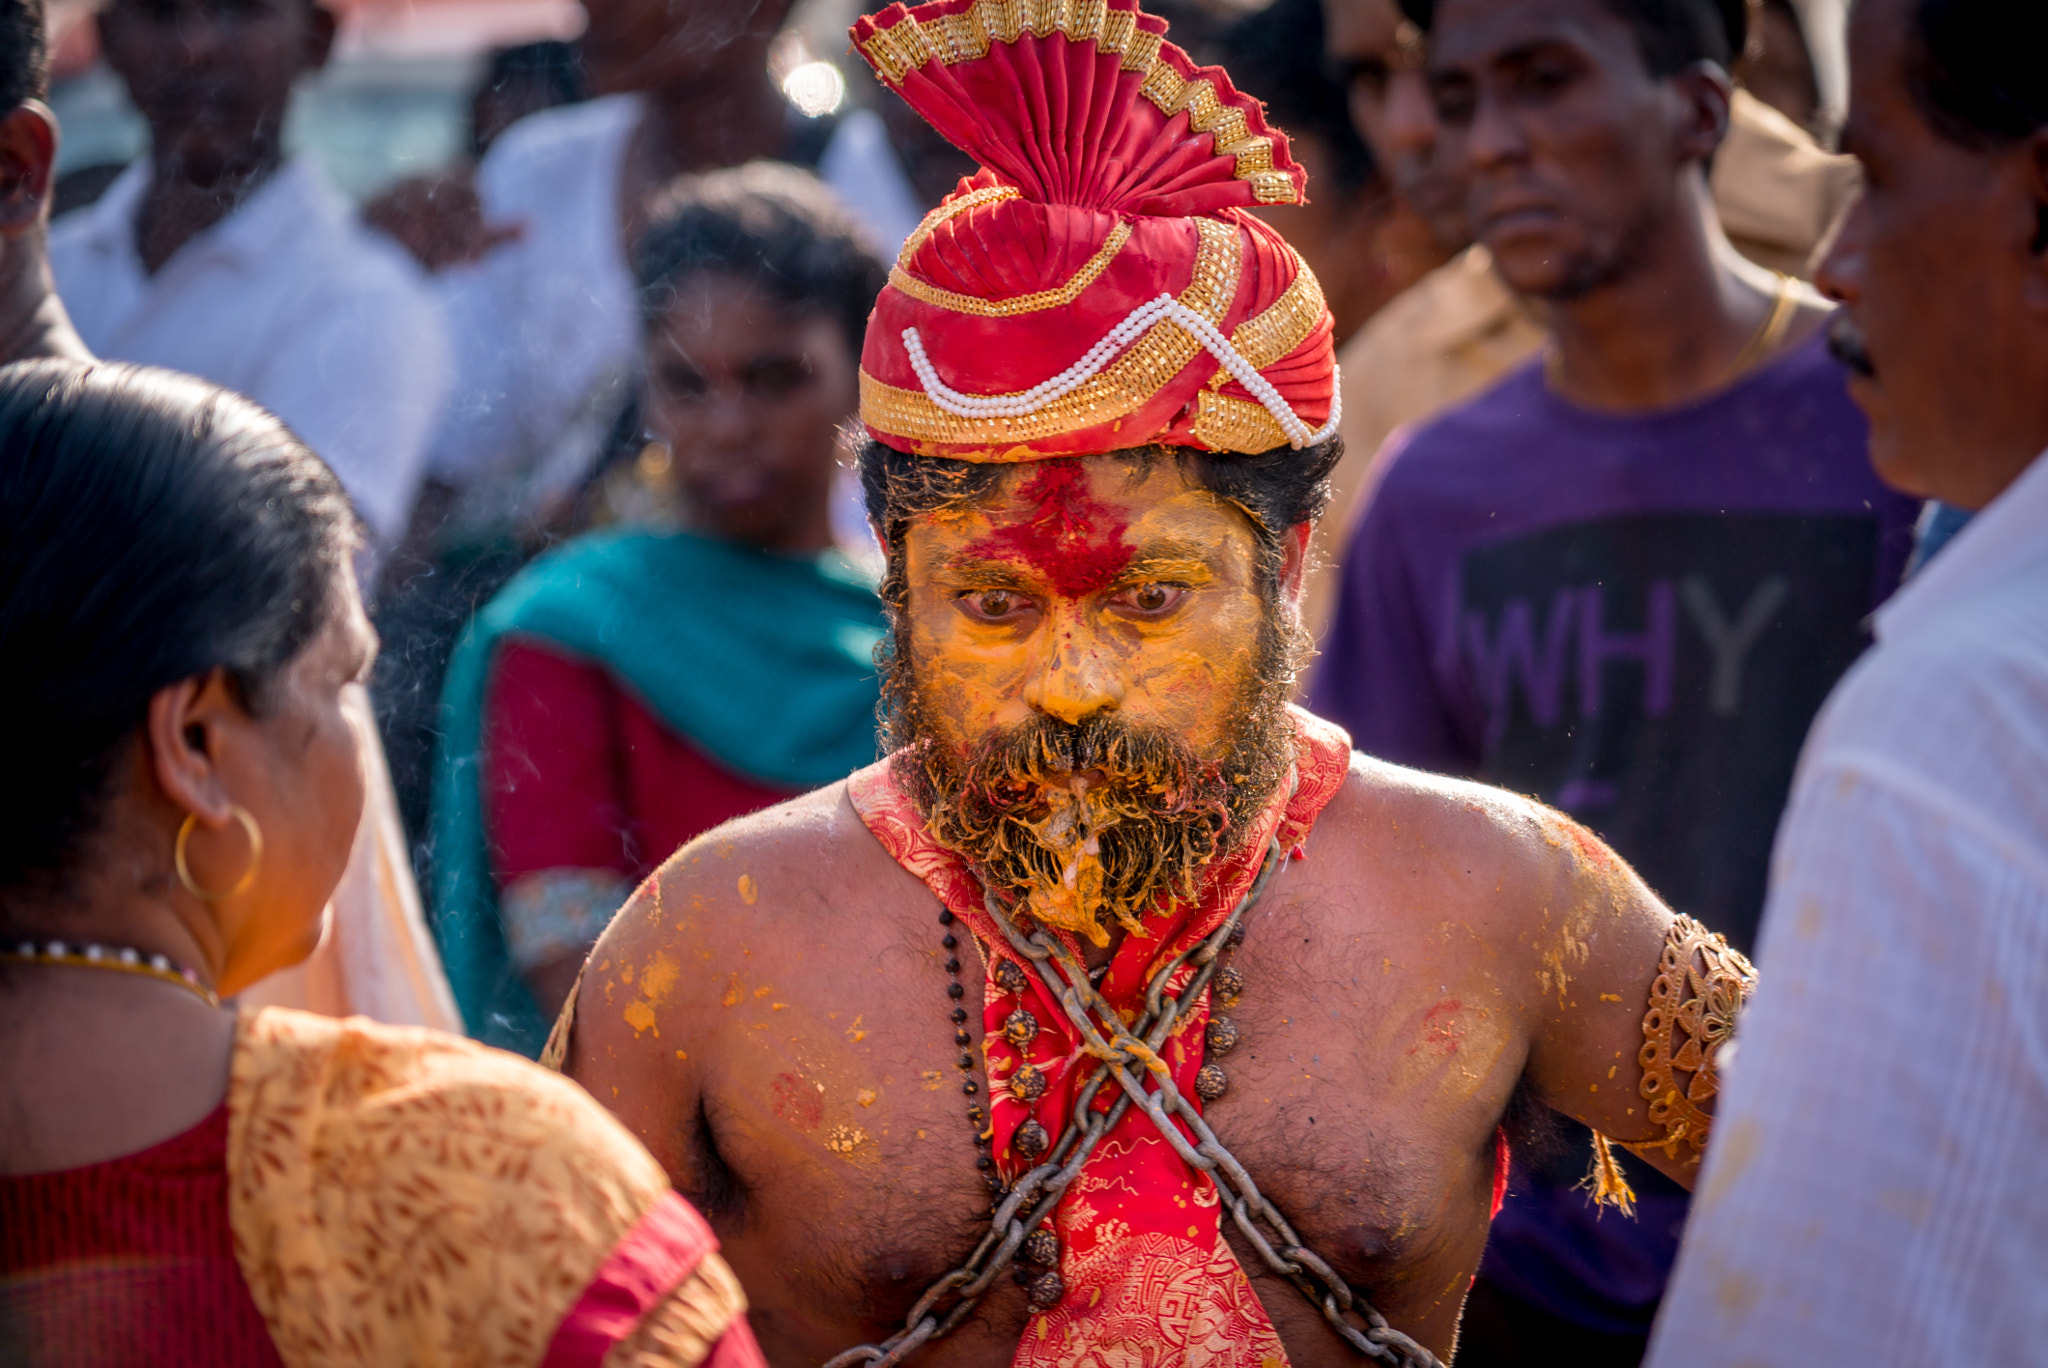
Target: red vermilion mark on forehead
x,y
1065,534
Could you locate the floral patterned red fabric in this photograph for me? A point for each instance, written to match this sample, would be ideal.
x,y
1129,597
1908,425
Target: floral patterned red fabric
x,y
1143,1256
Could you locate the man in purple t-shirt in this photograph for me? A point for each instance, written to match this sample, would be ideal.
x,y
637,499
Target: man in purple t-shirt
x,y
1624,579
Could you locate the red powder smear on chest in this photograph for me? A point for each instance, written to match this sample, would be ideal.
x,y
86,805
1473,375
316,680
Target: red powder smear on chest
x,y
1067,535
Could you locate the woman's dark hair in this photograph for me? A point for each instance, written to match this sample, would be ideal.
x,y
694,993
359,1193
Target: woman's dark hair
x,y
1976,69
157,528
772,227
1278,490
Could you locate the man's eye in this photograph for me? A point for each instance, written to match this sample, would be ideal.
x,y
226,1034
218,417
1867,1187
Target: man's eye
x,y
1455,104
1152,598
995,605
1545,79
777,379
681,382
1369,78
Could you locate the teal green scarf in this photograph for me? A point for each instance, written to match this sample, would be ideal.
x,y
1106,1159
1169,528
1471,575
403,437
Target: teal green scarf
x,y
764,663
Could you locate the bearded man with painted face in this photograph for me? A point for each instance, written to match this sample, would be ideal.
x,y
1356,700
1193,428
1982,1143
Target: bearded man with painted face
x,y
1122,1004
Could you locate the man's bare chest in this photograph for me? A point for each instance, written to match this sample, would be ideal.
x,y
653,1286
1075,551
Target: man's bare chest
x,y
1362,1104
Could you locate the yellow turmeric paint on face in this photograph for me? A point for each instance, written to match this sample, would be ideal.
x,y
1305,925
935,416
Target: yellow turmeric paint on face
x,y
1113,587
999,631
639,1016
750,892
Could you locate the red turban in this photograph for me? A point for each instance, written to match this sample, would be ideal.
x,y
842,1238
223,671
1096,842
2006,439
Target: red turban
x,y
1098,283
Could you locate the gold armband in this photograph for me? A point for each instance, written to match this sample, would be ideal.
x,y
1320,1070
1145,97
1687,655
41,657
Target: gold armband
x,y
1701,986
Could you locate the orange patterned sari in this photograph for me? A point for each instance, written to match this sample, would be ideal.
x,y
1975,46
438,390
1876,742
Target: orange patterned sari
x,y
397,1195
1149,1278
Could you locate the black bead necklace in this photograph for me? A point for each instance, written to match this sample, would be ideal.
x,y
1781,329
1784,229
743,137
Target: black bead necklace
x,y
977,1114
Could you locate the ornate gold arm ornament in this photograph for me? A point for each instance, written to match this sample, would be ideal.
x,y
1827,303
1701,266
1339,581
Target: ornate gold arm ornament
x,y
1701,986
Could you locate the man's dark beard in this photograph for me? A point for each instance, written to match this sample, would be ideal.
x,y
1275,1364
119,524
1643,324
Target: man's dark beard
x,y
1586,275
1159,816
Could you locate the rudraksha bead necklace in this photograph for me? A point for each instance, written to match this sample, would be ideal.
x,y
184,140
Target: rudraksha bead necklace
x,y
977,1114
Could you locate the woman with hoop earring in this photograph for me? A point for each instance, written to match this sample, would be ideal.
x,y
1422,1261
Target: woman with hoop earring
x,y
180,1182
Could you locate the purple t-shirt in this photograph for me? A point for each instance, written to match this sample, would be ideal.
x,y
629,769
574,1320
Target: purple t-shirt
x,y
1634,618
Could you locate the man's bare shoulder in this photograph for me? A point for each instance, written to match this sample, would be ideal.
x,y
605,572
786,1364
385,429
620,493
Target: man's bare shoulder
x,y
1529,894
806,862
1397,823
1506,867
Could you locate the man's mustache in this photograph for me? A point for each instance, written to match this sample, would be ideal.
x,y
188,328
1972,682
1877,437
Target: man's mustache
x,y
1147,769
1845,343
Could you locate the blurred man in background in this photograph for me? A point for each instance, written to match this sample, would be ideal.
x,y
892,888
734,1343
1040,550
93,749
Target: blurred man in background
x,y
1363,242
1779,67
437,217
217,256
1276,53
1624,578
1880,1202
1461,328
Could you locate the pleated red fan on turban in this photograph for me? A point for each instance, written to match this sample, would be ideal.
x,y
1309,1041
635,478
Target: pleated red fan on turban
x,y
1098,283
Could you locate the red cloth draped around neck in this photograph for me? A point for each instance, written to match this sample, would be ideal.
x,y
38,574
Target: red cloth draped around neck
x,y
1142,1251
1114,174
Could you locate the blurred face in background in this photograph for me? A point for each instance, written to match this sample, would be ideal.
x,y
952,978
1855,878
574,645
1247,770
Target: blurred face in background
x,y
1779,67
1381,56
1572,148
214,78
749,395
649,44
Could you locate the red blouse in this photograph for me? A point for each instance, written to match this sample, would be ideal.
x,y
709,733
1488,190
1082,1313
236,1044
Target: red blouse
x,y
578,774
129,1261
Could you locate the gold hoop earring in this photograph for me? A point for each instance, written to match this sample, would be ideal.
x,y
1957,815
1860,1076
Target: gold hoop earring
x,y
240,814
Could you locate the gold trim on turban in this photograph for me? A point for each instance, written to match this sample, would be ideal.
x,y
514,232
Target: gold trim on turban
x,y
1021,304
910,43
1122,388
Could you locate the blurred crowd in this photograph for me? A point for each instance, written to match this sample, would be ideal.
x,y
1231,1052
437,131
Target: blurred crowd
x,y
1606,531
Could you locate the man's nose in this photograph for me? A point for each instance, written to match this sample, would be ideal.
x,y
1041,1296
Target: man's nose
x,y
1840,274
1409,116
728,414
1494,137
203,36
1079,679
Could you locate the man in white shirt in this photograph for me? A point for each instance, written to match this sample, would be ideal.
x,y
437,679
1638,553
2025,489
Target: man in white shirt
x,y
544,324
214,255
1877,1194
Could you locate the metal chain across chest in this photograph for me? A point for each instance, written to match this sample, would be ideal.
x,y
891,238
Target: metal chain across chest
x,y
1121,1051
